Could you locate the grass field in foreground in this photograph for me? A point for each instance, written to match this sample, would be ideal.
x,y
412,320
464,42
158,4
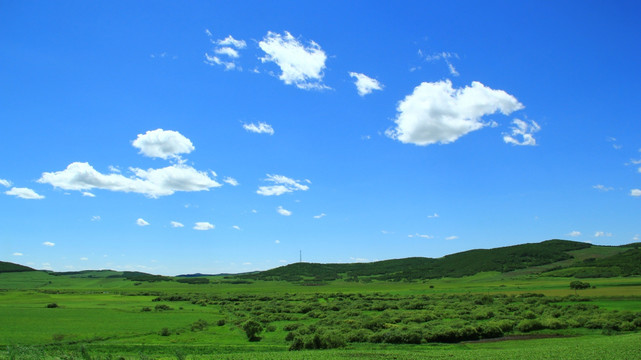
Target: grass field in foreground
x,y
106,317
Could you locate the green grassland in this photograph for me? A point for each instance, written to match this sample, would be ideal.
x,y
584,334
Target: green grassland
x,y
524,311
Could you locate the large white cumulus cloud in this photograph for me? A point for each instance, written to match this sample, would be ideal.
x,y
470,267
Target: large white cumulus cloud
x,y
152,182
435,112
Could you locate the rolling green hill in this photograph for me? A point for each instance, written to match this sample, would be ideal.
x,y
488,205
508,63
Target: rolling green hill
x,y
11,267
550,256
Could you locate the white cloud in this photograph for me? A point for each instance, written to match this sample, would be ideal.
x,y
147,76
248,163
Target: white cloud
x,y
439,56
163,144
48,243
230,41
88,194
433,216
602,234
153,182
141,222
635,192
636,237
261,128
300,65
283,212
236,227
203,226
282,185
574,233
420,236
602,187
453,237
437,113
114,169
215,60
95,218
84,258
319,216
276,241
452,69
24,193
231,181
176,224
227,51
523,130
17,254
365,84
445,56
5,183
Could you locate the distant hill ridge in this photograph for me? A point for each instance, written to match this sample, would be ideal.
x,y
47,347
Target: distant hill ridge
x,y
503,259
549,258
11,267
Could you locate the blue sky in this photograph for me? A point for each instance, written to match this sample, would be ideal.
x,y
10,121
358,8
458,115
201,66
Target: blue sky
x,y
181,137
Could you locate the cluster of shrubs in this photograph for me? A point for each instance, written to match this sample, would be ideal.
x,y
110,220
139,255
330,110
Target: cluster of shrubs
x,y
324,321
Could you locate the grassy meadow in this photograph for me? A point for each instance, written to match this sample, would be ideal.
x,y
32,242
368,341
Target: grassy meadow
x,y
97,315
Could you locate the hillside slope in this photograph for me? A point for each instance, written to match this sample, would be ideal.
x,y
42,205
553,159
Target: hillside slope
x,y
470,262
11,267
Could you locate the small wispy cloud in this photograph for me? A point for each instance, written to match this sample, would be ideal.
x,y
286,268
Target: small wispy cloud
x,y
524,131
236,227
5,183
88,194
96,218
17,254
283,212
176,224
319,216
635,192
446,57
24,193
141,222
260,128
365,84
602,234
417,235
453,237
283,185
226,52
231,181
602,187
433,216
48,243
203,226
574,233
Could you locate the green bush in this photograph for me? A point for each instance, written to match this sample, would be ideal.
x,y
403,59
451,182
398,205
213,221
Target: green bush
x,y
528,325
252,328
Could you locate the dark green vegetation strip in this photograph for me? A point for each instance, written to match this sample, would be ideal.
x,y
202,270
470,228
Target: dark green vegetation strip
x,y
11,267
